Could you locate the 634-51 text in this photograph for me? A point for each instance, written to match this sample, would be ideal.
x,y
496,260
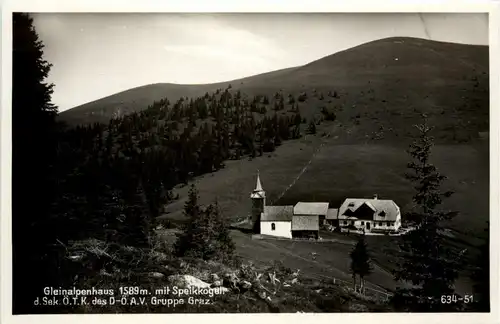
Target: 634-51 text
x,y
451,299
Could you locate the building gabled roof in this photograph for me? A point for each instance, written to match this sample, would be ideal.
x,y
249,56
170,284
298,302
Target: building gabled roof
x,y
277,213
379,206
332,213
310,208
258,192
369,204
305,223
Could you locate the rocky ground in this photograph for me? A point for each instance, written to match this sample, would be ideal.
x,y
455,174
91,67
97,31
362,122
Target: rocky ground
x,y
235,286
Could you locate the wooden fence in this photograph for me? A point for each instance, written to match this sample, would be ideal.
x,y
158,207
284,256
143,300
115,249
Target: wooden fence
x,y
372,293
365,291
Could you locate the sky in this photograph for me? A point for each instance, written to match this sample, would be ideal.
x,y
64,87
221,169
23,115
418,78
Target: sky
x,y
98,54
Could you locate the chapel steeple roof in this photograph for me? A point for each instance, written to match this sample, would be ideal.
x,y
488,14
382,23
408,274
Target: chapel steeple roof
x,y
258,192
258,187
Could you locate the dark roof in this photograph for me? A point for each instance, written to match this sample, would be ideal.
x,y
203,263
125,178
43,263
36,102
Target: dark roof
x,y
277,213
388,208
305,223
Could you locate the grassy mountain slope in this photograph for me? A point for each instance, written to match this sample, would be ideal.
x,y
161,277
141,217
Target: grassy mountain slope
x,y
335,173
139,98
382,88
385,82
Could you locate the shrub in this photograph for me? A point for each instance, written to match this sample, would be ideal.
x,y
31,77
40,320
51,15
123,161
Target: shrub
x,y
330,116
302,97
312,128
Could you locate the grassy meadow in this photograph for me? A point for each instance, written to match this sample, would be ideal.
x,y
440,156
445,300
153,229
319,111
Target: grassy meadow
x,y
336,172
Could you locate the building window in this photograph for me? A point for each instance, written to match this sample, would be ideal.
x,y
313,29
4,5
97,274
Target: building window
x,y
273,227
345,222
351,205
382,213
362,223
374,224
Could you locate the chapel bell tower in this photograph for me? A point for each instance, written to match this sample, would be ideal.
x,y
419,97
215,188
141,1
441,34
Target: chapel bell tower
x,y
258,197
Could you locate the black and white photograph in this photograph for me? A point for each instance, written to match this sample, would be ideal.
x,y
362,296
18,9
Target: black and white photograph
x,y
238,162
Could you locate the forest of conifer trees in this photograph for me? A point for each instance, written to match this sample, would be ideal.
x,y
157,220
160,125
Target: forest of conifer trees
x,y
137,160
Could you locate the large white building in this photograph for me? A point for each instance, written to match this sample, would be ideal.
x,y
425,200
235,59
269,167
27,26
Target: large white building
x,y
370,215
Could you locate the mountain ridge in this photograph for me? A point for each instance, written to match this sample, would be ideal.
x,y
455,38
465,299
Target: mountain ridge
x,y
397,63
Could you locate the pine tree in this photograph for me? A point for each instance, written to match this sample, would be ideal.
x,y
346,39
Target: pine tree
x,y
34,154
206,235
154,188
427,263
281,103
223,246
192,212
360,262
312,128
139,227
